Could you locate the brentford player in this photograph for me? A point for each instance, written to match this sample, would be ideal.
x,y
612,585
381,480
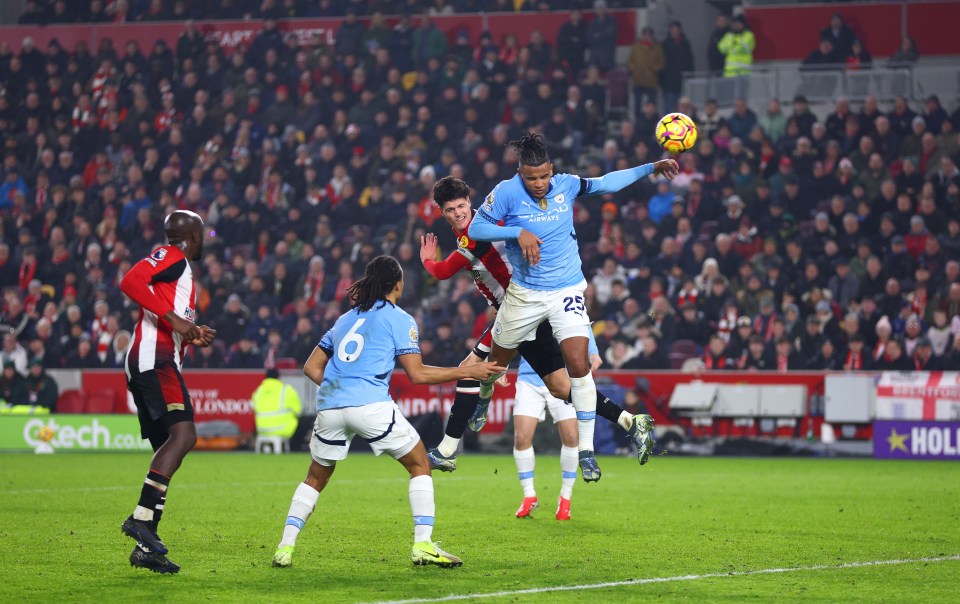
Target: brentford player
x,y
162,284
491,273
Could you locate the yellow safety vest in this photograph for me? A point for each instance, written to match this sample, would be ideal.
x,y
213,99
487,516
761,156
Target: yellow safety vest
x,y
738,50
277,408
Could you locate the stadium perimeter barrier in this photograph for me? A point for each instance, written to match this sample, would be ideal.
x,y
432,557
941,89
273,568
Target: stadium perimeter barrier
x,y
908,415
825,85
230,34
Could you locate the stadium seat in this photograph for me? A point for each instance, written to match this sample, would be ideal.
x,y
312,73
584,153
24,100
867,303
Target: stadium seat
x,y
677,359
271,444
286,363
99,401
687,347
72,401
618,92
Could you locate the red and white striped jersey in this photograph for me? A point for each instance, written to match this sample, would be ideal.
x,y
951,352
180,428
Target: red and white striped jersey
x,y
486,261
161,282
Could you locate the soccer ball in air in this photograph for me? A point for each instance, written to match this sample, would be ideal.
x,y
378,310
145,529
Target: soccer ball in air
x,y
676,132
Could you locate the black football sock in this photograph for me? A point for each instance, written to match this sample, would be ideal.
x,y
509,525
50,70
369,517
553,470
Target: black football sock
x,y
464,404
152,494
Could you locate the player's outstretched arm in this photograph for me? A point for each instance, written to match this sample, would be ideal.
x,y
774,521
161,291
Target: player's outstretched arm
x,y
428,374
617,180
443,269
485,228
315,365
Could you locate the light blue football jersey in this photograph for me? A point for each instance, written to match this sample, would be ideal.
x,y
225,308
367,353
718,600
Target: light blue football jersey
x,y
525,372
362,348
550,219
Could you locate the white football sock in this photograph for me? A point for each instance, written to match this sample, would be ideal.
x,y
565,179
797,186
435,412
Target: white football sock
x,y
526,461
303,504
448,446
569,459
422,506
625,420
583,394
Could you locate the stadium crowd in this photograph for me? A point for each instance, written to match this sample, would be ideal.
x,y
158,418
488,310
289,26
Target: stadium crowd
x,y
790,240
38,12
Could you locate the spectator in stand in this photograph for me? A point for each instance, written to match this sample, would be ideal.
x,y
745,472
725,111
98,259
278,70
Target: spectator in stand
x,y
13,386
893,358
42,390
716,58
825,56
839,34
602,38
858,58
572,42
646,61
678,59
906,55
737,47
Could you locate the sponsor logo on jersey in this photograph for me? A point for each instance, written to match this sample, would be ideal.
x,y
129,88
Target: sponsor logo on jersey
x,y
414,334
159,254
488,202
463,242
188,314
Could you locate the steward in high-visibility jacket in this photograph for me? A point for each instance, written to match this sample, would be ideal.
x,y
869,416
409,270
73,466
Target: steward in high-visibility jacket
x,y
277,407
737,47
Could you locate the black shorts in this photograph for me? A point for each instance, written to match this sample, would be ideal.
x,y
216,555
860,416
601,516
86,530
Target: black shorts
x,y
542,353
162,399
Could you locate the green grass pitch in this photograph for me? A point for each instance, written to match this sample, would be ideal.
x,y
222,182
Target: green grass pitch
x,y
60,521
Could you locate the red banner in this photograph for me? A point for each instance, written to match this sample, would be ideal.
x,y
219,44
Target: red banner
x,y
231,34
792,32
216,395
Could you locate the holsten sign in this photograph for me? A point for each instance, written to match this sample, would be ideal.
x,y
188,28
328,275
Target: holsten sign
x,y
73,432
916,440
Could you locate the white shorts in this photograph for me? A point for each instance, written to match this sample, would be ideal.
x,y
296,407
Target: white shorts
x,y
380,424
535,401
523,310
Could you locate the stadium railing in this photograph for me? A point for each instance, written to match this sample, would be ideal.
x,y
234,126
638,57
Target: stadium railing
x,y
824,85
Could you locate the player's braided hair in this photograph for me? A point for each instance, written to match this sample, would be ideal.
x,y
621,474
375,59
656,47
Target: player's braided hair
x,y
449,188
532,150
379,278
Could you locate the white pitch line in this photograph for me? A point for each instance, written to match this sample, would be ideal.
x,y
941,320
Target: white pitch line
x,y
743,573
291,483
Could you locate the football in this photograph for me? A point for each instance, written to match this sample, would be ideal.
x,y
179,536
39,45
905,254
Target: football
x,y
676,132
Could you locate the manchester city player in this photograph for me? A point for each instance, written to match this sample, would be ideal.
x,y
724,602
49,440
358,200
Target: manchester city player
x,y
536,209
352,366
533,401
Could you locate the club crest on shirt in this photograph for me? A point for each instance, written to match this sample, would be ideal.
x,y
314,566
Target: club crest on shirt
x,y
463,242
414,334
558,198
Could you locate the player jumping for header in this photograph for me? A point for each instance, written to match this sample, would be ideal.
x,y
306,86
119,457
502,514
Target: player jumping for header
x,y
536,208
491,272
162,284
352,366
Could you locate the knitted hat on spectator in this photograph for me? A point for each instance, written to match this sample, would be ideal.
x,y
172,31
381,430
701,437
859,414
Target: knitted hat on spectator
x,y
884,325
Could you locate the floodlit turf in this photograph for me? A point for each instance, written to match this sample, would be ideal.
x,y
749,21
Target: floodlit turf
x,y
60,521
